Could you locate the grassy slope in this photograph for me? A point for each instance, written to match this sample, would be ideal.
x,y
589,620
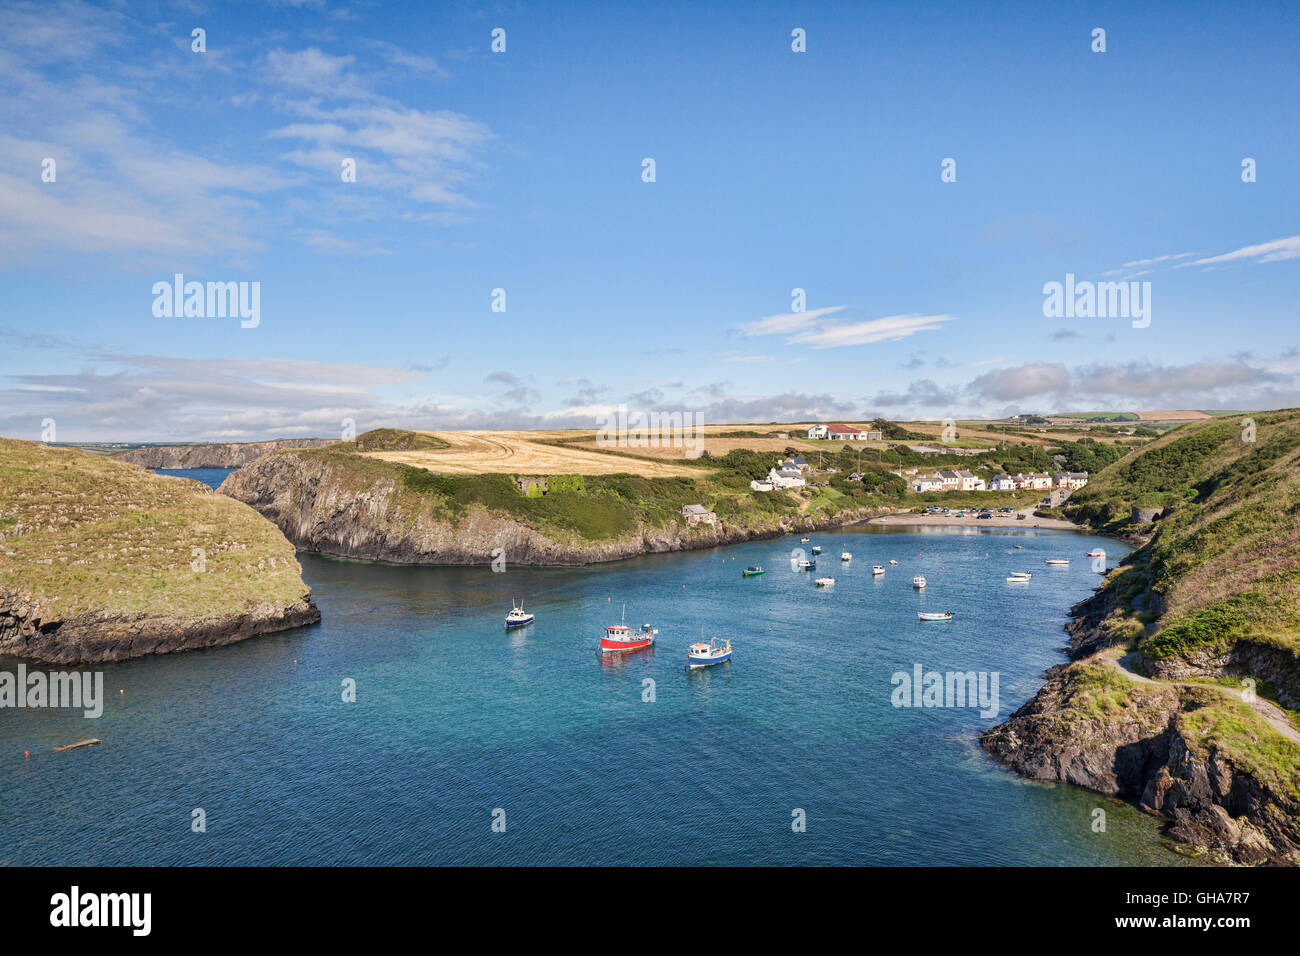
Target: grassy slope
x,y
1221,568
83,532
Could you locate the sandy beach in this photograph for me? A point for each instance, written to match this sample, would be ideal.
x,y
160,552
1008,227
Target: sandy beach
x,y
970,521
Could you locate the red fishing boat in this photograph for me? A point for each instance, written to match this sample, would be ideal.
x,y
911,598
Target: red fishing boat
x,y
620,637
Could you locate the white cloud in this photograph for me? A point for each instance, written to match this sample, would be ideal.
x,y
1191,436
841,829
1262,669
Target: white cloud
x,y
1277,250
891,328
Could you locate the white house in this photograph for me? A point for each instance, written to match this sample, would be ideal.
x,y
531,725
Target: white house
x,y
969,482
817,431
760,484
1002,483
927,483
1038,481
786,478
839,432
950,479
698,514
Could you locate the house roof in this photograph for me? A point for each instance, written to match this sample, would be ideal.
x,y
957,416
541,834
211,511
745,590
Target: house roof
x,y
844,428
695,510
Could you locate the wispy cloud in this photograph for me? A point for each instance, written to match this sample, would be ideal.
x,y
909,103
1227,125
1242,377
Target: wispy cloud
x,y
891,328
787,322
1277,250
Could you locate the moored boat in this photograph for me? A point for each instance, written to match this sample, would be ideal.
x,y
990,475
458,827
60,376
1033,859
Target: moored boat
x,y
817,549
518,617
893,562
752,570
619,638
804,540
1022,574
1058,562
877,569
1015,579
845,556
934,615
918,582
806,565
825,582
704,654
1097,554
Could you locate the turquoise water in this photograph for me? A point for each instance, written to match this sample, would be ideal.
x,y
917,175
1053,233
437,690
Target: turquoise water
x,y
456,718
209,476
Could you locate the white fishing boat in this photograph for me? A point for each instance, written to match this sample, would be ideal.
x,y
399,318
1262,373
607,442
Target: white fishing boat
x,y
705,653
1017,580
1022,574
877,569
845,556
918,582
804,540
1058,562
934,615
893,562
817,549
825,582
518,617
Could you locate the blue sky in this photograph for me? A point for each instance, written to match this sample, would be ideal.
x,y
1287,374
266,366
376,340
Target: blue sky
x,y
522,170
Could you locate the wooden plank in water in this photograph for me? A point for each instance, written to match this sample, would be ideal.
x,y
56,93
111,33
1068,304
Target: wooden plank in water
x,y
80,743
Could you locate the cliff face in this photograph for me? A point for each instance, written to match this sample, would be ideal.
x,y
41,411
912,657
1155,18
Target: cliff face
x,y
1159,745
318,504
27,631
213,456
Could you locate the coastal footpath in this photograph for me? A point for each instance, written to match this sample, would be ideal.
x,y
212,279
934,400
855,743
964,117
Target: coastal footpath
x,y
235,455
342,502
1183,690
101,560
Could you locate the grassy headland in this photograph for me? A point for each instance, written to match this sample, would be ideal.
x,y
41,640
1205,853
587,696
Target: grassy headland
x,y
102,559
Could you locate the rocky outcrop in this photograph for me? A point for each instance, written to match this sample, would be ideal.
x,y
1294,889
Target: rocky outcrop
x,y
1148,749
96,637
213,456
318,505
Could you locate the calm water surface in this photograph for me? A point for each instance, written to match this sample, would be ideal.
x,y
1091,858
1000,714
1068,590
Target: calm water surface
x,y
455,718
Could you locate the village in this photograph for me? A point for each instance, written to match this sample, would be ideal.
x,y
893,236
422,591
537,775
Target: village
x,y
795,471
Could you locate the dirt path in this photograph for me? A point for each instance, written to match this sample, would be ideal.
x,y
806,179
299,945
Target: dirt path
x,y
1272,714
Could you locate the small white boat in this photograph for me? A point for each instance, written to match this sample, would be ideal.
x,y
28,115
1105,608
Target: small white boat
x,y
806,565
1017,580
1022,574
845,556
1058,562
804,540
877,569
817,549
893,562
703,654
1097,554
918,582
518,617
825,582
934,615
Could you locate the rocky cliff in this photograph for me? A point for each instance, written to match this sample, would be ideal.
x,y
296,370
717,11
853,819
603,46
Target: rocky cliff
x,y
212,456
357,508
